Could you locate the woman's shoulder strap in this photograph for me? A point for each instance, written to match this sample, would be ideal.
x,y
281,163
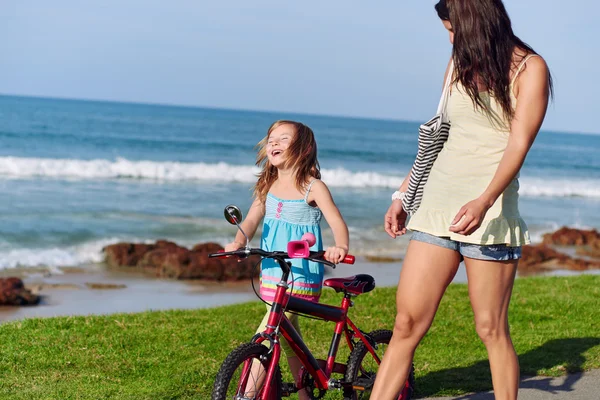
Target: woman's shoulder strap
x,y
521,65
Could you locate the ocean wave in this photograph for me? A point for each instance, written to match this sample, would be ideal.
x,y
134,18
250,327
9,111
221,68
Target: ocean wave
x,y
86,253
559,187
120,168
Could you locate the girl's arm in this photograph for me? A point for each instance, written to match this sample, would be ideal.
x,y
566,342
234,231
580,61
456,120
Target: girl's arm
x,y
532,101
249,225
322,197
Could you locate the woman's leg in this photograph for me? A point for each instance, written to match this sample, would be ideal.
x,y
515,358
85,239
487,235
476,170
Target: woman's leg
x,y
490,288
426,272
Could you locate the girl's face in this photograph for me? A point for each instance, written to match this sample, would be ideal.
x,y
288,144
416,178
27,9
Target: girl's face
x,y
278,142
448,26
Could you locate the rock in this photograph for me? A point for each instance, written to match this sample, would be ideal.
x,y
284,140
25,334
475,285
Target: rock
x,y
196,264
14,293
536,255
152,259
207,247
160,260
573,237
126,254
542,257
165,244
382,259
588,251
93,285
36,288
168,260
545,257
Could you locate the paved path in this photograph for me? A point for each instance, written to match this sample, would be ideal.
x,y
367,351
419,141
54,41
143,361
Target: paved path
x,y
580,386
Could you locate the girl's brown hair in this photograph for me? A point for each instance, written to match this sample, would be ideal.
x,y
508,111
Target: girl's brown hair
x,y
301,157
484,44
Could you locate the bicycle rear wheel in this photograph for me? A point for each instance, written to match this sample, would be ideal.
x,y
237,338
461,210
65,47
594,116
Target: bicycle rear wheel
x,y
362,368
243,373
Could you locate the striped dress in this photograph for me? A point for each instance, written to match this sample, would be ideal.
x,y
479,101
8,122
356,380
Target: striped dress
x,y
287,220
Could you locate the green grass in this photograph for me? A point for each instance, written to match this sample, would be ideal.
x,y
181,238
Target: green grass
x,y
555,325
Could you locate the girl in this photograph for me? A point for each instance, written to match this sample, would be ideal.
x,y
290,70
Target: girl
x,y
291,199
469,210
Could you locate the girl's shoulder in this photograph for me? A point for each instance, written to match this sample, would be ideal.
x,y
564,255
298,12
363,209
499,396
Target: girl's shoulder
x,y
317,191
315,184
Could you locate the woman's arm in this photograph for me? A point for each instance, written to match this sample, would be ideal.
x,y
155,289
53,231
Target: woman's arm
x,y
394,221
532,101
249,225
321,195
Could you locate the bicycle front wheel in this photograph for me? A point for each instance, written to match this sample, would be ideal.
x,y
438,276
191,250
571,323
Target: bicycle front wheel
x,y
243,373
362,368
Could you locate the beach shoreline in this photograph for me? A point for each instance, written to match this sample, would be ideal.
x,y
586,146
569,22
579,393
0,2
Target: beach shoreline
x,y
96,289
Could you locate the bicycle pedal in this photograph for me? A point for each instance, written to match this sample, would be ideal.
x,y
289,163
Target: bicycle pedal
x,y
362,384
288,388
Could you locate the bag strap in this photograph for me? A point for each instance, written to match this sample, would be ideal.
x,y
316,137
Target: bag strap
x,y
446,92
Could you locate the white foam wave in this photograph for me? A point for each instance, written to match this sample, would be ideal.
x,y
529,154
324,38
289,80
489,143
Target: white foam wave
x,y
561,187
86,253
17,167
25,168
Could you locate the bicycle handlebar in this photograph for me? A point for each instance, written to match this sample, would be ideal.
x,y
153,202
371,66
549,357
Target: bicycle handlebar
x,y
316,256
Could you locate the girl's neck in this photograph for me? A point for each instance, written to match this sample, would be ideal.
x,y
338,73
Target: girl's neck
x,y
286,175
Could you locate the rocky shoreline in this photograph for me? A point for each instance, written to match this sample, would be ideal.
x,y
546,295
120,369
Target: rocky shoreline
x,y
554,253
165,259
565,249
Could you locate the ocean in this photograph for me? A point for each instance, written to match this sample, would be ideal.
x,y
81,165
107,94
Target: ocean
x,y
76,176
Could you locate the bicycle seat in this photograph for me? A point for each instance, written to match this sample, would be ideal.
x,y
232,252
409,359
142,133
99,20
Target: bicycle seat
x,y
357,284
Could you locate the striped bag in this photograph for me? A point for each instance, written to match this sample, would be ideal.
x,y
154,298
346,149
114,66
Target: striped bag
x,y
432,136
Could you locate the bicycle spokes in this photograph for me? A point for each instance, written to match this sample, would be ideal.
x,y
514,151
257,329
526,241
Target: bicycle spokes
x,y
251,380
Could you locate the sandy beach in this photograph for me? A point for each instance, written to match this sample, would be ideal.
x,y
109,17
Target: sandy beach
x,y
97,290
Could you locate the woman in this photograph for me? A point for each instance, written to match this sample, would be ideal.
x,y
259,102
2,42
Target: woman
x,y
498,99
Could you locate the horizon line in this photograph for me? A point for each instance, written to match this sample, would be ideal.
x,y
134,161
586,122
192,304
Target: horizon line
x,y
248,110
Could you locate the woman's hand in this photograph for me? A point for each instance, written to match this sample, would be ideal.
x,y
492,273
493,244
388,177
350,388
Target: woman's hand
x,y
469,217
335,254
395,220
233,246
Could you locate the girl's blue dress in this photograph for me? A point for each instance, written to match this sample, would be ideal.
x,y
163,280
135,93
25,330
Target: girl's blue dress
x,y
284,221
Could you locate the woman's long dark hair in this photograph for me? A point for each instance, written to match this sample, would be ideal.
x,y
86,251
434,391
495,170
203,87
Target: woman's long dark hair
x,y
484,44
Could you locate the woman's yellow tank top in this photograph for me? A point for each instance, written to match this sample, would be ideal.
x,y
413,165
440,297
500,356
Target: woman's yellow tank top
x,y
464,169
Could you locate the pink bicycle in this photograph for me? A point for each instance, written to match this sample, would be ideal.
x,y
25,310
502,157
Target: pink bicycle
x,y
251,371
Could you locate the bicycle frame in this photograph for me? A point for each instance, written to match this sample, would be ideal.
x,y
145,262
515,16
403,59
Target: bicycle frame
x,y
279,325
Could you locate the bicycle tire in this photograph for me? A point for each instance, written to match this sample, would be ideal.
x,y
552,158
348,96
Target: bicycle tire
x,y
235,359
355,360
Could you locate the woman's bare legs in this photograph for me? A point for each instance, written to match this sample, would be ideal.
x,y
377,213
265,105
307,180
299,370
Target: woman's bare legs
x,y
426,273
490,288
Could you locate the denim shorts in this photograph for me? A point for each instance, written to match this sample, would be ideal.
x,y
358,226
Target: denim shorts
x,y
494,252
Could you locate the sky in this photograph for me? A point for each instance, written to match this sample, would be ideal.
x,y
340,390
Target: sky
x,y
378,59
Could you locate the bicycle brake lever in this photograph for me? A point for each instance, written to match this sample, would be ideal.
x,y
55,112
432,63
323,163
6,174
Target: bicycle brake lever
x,y
322,261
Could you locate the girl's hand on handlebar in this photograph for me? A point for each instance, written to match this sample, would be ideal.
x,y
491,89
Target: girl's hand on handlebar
x,y
233,246
335,254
